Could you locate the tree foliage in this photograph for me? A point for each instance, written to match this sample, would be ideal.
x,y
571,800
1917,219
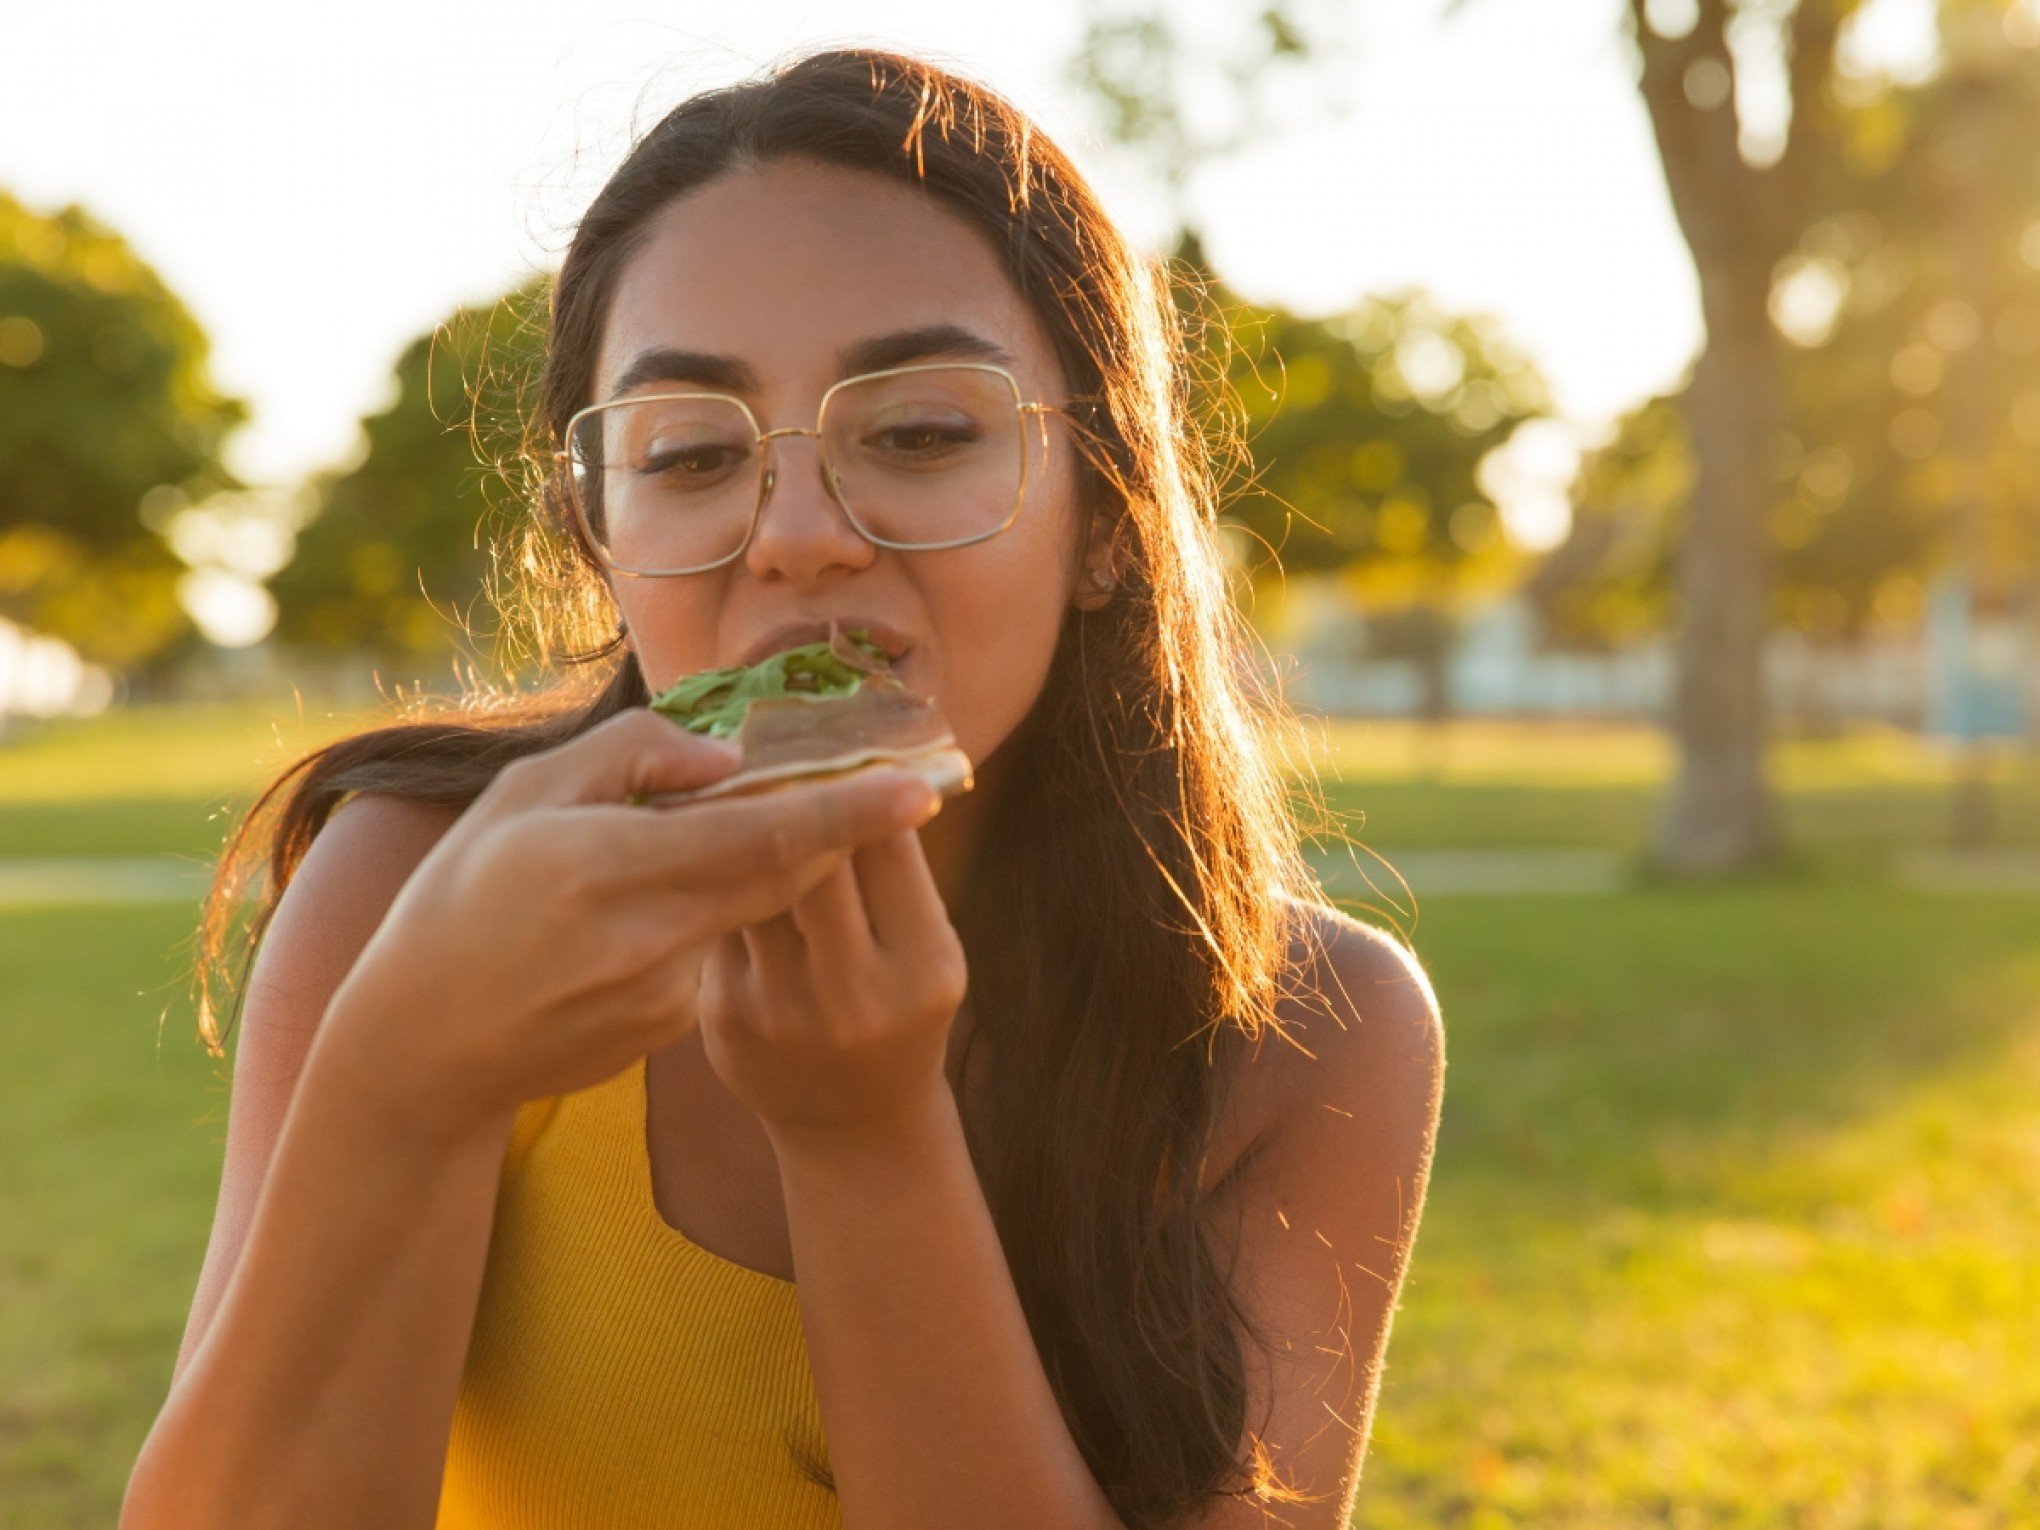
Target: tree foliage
x,y
396,557
109,420
1364,433
1911,418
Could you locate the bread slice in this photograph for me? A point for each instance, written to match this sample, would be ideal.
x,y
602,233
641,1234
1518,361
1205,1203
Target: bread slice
x,y
801,738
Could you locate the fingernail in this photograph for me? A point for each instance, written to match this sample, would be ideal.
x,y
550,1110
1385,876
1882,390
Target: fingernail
x,y
920,804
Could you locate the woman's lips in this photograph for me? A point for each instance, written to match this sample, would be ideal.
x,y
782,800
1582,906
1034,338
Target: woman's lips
x,y
815,629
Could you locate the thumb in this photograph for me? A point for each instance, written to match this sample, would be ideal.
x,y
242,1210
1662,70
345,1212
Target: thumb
x,y
632,756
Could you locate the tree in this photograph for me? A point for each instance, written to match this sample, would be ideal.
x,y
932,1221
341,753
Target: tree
x,y
1908,419
1363,434
1608,585
396,551
1951,440
1363,431
1177,103
1743,206
109,421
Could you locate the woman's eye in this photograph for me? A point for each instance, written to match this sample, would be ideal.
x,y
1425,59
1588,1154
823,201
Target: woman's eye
x,y
693,461
920,438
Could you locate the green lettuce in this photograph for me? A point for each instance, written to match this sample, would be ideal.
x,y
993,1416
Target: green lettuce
x,y
715,700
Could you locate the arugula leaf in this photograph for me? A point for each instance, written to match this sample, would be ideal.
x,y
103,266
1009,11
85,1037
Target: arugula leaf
x,y
714,701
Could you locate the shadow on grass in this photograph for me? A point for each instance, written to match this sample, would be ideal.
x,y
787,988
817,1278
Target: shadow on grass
x,y
1644,1048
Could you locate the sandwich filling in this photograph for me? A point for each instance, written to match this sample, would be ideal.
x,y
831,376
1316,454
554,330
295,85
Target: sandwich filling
x,y
818,709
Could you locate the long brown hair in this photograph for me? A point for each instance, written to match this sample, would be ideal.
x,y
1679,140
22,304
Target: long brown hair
x,y
1139,890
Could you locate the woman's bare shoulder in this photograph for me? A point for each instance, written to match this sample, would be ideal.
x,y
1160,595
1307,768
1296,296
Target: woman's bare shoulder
x,y
391,823
1359,971
373,842
354,869
1360,1014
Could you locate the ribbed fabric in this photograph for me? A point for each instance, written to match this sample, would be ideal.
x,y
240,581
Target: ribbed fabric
x,y
621,1375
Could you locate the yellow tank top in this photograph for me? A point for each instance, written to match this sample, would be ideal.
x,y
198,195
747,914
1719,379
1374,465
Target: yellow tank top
x,y
621,1375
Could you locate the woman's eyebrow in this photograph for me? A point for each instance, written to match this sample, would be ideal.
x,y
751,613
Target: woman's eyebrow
x,y
733,375
902,346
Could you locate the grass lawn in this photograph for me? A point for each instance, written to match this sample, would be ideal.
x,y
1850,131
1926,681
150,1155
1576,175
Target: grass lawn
x,y
109,1158
1735,1219
148,780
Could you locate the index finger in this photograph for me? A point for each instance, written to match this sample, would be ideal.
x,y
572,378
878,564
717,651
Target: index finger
x,y
763,834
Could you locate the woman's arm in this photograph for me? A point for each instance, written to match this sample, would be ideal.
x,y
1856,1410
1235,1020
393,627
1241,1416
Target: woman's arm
x,y
937,1408
322,1393
322,1388
327,1332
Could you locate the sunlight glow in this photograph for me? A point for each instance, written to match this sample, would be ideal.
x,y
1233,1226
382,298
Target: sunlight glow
x,y
231,611
1528,476
42,677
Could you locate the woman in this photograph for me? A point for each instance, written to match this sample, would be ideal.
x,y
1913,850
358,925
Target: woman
x,y
808,1160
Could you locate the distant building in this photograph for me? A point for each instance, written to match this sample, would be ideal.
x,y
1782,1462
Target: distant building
x,y
1499,667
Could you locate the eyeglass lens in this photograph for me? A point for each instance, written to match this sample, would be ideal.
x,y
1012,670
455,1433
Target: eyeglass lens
x,y
918,458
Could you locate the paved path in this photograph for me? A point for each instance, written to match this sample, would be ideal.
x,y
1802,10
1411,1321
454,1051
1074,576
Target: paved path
x,y
1969,870
1430,874
1449,873
102,879
1505,873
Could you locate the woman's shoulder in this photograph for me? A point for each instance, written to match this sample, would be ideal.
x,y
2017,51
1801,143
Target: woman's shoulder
x,y
385,823
336,896
373,840
362,857
1354,970
1360,1021
341,888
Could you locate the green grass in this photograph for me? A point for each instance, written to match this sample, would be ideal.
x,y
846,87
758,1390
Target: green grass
x,y
1846,801
109,1160
147,780
1735,1219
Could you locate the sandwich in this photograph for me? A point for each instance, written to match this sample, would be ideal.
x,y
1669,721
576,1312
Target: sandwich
x,y
820,709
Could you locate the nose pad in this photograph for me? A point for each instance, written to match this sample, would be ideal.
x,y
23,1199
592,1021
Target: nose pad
x,y
835,484
831,481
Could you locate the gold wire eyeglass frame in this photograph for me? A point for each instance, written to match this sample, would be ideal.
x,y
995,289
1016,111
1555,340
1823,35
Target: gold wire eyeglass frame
x,y
768,476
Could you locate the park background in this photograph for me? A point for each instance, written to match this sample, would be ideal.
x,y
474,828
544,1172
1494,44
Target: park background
x,y
1640,495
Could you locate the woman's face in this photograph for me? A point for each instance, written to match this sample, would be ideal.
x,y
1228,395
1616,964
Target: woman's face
x,y
780,267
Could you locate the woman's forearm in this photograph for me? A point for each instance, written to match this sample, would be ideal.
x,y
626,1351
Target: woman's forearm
x,y
322,1392
933,1396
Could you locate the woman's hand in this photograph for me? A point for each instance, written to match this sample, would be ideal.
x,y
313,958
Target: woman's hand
x,y
831,1020
554,935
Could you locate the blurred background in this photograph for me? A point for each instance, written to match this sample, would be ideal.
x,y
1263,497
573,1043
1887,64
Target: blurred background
x,y
1638,489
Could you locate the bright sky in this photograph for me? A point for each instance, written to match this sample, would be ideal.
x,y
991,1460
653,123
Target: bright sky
x,y
320,184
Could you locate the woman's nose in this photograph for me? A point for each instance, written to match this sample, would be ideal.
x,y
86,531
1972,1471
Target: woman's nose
x,y
801,528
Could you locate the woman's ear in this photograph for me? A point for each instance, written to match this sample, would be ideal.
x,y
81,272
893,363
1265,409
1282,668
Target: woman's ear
x,y
1099,574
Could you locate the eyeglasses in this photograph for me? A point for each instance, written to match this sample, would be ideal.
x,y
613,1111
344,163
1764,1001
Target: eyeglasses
x,y
919,457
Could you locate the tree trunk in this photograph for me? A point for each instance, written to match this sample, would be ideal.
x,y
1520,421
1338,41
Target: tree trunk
x,y
1739,220
1721,814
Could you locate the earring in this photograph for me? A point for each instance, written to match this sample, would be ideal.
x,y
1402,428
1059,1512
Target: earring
x,y
1101,578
